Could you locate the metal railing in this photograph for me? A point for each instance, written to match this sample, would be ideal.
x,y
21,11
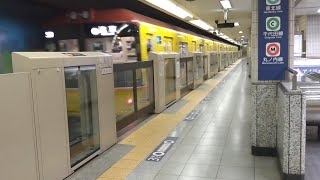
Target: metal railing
x,y
294,78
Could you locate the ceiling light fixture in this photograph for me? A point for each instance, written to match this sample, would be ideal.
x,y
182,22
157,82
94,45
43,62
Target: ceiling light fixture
x,y
226,4
172,8
242,36
49,34
236,24
201,24
318,11
240,32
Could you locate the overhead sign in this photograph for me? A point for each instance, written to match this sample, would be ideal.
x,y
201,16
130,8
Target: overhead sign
x,y
273,39
104,30
306,69
49,34
162,149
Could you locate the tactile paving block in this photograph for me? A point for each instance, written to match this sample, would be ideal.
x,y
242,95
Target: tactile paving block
x,y
127,163
115,173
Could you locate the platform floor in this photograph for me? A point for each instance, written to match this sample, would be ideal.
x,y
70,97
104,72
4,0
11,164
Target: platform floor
x,y
215,145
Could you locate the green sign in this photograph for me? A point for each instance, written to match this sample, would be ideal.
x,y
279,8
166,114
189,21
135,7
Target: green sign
x,y
273,2
273,23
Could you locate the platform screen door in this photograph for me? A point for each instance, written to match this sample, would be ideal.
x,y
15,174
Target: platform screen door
x,y
82,107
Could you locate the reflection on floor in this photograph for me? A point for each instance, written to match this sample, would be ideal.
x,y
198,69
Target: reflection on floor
x,y
312,154
312,160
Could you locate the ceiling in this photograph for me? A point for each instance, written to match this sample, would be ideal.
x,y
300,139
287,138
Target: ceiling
x,y
211,10
307,7
134,5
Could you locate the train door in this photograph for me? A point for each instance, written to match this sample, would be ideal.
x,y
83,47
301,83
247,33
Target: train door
x,y
150,43
164,46
69,45
194,46
201,47
169,43
183,49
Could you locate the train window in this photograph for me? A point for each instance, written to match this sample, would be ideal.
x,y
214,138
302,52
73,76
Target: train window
x,y
194,46
97,46
183,49
201,47
69,45
165,46
150,42
50,46
119,39
169,46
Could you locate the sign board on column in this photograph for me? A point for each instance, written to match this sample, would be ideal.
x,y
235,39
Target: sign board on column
x,y
273,39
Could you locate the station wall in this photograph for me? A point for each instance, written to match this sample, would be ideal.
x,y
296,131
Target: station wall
x,y
313,37
17,35
20,29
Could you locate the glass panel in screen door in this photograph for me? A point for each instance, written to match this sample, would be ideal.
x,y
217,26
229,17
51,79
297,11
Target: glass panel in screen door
x,y
170,81
144,87
124,99
212,62
198,68
183,74
190,75
205,65
82,110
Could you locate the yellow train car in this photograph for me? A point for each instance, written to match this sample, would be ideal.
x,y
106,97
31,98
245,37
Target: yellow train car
x,y
128,36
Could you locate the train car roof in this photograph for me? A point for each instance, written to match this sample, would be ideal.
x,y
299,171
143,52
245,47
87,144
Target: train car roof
x,y
116,16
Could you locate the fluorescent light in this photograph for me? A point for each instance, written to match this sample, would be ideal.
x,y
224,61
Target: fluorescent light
x,y
170,7
95,31
49,34
236,24
240,32
226,4
318,11
201,24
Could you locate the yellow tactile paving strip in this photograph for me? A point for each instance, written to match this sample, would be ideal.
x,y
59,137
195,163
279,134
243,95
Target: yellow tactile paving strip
x,y
148,137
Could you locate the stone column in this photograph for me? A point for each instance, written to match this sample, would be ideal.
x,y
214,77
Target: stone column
x,y
264,93
291,131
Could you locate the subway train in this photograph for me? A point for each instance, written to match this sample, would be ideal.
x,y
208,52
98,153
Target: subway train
x,y
129,37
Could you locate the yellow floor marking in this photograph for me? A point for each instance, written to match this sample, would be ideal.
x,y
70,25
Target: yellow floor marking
x,y
148,137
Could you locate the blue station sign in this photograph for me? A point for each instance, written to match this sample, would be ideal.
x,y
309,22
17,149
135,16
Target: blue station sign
x,y
273,38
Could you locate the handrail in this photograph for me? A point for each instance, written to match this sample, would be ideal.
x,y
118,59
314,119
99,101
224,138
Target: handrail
x,y
294,78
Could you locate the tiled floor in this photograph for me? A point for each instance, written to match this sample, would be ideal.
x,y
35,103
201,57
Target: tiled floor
x,y
216,145
312,160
